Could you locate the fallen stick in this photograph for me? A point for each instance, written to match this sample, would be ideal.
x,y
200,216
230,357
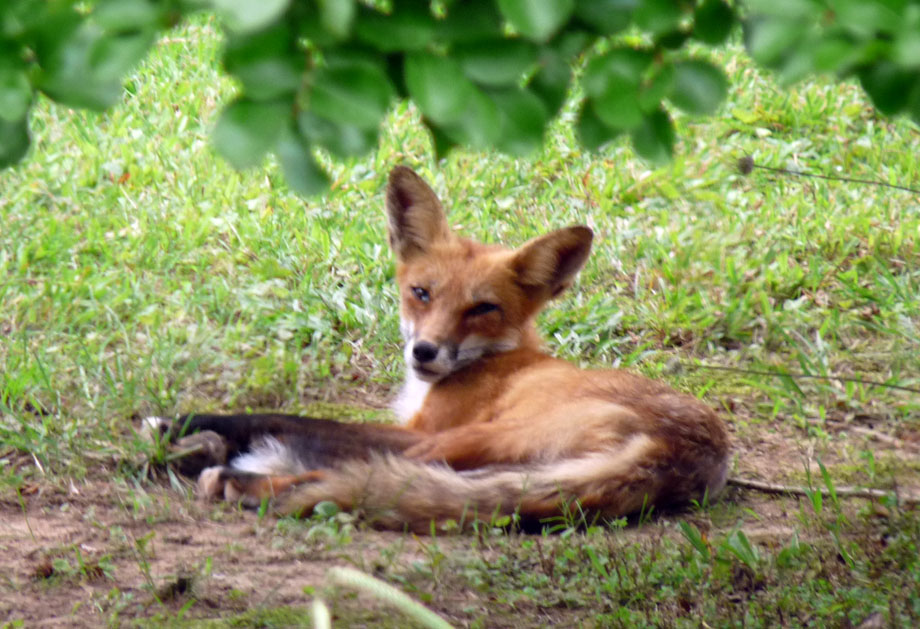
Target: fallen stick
x,y
883,437
841,492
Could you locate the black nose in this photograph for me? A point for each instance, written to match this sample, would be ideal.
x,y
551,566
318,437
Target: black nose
x,y
424,352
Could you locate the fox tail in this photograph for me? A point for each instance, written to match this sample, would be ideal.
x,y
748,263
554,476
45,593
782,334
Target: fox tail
x,y
395,492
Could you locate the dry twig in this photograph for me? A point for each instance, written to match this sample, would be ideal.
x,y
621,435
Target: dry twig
x,y
842,492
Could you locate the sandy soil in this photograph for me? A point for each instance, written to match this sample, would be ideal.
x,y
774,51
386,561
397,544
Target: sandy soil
x,y
99,552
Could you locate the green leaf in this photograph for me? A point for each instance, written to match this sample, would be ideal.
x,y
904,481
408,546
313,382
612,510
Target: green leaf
x,y
15,93
471,20
310,29
739,545
537,19
612,84
807,10
438,86
618,105
497,62
114,56
480,125
347,56
695,538
625,65
605,16
250,15
126,15
551,80
769,40
657,16
247,129
326,509
744,115
267,62
866,18
68,75
829,483
441,142
409,27
699,87
341,140
592,133
524,119
913,106
337,16
834,54
269,78
713,22
570,44
654,138
888,85
906,48
357,95
790,553
656,88
672,40
301,171
798,64
14,141
53,29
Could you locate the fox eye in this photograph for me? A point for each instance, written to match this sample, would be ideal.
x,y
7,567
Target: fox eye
x,y
481,308
421,294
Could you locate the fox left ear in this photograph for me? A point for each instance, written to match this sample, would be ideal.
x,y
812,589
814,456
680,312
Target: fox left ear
x,y
549,263
415,217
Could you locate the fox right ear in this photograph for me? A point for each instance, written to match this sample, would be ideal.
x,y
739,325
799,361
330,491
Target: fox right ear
x,y
547,265
414,214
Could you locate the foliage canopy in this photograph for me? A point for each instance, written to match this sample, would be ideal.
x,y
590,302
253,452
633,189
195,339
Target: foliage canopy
x,y
484,73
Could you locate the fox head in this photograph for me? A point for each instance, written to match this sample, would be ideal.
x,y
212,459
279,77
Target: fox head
x,y
461,300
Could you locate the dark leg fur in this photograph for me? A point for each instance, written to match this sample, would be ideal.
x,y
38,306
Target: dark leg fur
x,y
319,443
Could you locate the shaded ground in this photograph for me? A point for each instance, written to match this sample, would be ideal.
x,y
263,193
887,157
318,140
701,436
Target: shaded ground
x,y
105,552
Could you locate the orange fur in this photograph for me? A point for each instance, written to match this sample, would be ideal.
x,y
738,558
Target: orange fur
x,y
498,425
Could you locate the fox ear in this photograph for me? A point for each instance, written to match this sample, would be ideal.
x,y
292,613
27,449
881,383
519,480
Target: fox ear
x,y
414,214
547,265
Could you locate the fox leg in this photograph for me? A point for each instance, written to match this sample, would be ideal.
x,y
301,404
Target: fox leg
x,y
189,451
478,445
461,448
205,440
248,488
252,457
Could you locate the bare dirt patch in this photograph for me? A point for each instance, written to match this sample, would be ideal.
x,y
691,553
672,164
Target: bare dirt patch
x,y
76,556
103,552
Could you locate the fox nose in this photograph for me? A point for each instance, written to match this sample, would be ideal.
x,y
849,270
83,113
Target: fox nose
x,y
424,352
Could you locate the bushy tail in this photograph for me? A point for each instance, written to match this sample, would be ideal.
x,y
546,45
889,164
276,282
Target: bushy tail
x,y
393,491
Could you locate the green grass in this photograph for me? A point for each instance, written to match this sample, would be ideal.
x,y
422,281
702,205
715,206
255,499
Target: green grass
x,y
140,274
666,581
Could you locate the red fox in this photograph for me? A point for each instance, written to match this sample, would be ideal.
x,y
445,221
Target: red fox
x,y
492,424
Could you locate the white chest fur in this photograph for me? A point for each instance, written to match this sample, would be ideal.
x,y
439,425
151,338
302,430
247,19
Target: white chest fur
x,y
411,397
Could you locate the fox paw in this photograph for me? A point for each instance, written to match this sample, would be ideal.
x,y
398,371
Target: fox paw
x,y
211,483
224,483
155,428
199,450
189,454
217,483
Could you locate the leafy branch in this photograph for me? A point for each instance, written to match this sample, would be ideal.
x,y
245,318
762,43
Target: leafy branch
x,y
321,74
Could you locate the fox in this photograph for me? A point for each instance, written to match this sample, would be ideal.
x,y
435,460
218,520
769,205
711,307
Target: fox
x,y
490,424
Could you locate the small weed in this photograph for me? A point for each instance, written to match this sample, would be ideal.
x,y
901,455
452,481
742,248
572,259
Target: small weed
x,y
71,566
327,526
